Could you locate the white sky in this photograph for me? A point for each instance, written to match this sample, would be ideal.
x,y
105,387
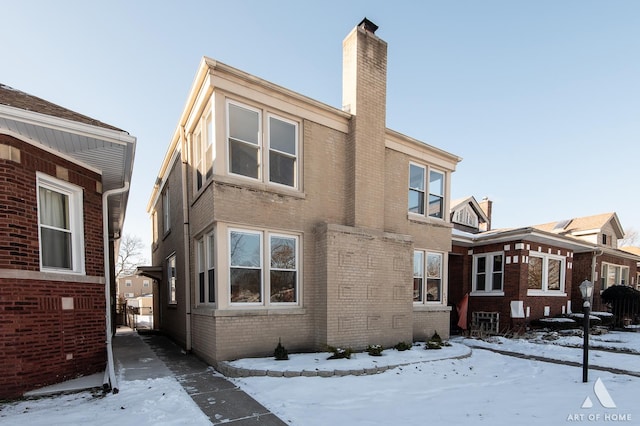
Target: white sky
x,y
540,99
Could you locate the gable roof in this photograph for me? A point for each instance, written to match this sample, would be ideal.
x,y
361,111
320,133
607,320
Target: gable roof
x,y
83,140
582,225
458,203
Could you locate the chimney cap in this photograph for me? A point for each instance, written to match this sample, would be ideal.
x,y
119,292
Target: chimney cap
x,y
368,25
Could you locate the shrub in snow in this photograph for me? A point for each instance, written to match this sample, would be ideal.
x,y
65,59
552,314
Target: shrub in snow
x,y
402,346
374,350
280,353
339,353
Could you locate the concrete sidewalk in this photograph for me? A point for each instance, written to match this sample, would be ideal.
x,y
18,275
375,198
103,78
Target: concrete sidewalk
x,y
153,356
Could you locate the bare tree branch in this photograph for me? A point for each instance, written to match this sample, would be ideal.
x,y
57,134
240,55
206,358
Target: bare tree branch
x,y
130,255
631,238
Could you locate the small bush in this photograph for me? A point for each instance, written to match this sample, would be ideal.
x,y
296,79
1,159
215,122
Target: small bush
x,y
433,345
375,350
339,353
280,353
402,346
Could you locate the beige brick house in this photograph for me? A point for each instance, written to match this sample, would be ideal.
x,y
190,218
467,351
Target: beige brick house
x,y
278,217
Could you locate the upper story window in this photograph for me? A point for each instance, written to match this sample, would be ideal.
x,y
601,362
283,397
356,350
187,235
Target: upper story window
x,y
145,283
154,226
128,283
60,225
546,274
420,188
614,275
206,269
171,279
488,272
427,277
203,153
274,161
263,263
466,216
166,210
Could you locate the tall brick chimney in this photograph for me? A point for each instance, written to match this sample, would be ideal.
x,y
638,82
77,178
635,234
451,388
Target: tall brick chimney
x,y
364,95
486,205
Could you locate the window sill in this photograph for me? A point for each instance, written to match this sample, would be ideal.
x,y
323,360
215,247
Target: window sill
x,y
546,293
239,181
431,308
234,312
486,293
418,218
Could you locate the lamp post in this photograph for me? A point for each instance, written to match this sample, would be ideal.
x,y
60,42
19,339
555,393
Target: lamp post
x,y
586,289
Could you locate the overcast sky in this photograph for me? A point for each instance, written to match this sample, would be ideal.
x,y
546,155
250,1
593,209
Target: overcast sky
x,y
540,98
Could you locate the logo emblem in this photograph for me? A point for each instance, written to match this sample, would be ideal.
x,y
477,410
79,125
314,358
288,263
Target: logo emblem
x,y
602,394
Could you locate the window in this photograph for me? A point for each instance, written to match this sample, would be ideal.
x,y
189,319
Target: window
x,y
283,140
166,213
488,273
206,270
203,154
604,239
418,191
546,274
60,225
466,216
614,275
127,283
431,291
145,283
245,139
251,273
171,279
154,226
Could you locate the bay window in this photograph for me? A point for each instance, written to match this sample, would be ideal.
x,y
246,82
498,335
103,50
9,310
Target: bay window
x,y
206,271
427,277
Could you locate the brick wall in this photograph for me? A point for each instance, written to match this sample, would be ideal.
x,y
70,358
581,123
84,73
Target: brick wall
x,y
40,342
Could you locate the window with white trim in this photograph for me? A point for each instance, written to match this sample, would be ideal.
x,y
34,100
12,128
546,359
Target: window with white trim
x,y
263,263
488,272
60,225
247,146
128,283
427,277
154,226
145,283
420,188
171,279
614,275
166,210
203,152
546,273
206,269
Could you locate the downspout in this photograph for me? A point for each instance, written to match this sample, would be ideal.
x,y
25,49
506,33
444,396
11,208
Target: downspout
x,y
186,237
110,373
597,252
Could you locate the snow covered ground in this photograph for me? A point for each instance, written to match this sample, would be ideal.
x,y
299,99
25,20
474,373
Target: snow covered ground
x,y
471,387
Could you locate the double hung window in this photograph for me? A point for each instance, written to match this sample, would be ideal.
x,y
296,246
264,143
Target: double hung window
x,y
488,273
614,275
427,277
263,263
206,269
274,161
426,196
171,279
203,153
546,273
60,225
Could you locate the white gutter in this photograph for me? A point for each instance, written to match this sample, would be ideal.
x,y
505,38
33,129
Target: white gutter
x,y
110,373
186,238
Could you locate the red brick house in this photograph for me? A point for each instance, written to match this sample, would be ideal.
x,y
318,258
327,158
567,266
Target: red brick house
x,y
514,276
64,181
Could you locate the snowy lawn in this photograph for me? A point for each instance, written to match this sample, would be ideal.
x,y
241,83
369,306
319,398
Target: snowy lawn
x,y
483,388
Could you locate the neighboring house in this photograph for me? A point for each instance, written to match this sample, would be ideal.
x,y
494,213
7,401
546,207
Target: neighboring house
x,y
278,217
132,286
64,181
518,275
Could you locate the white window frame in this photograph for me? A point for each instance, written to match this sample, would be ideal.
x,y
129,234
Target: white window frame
x,y
264,146
154,226
202,152
545,275
171,279
427,192
146,283
166,210
205,262
198,161
128,283
489,274
286,154
425,278
620,272
266,268
76,222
